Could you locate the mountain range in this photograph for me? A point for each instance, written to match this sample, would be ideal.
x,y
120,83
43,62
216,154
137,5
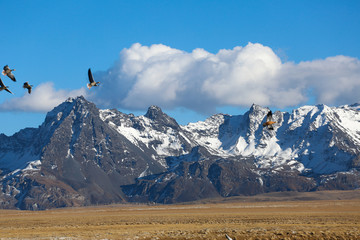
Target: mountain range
x,y
81,155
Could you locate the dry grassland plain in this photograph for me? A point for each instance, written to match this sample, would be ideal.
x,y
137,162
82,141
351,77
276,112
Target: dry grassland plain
x,y
239,218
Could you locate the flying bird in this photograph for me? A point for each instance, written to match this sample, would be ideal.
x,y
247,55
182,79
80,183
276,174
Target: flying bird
x,y
269,121
91,80
3,87
28,87
227,237
8,72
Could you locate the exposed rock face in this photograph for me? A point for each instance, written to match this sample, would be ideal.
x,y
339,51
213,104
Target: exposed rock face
x,y
75,158
81,155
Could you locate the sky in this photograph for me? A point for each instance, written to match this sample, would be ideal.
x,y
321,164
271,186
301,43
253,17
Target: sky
x,y
191,58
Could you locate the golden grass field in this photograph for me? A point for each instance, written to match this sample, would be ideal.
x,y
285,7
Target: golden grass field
x,y
240,218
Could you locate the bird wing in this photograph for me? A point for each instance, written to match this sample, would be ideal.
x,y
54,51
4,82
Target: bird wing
x,y
29,90
11,76
91,79
8,90
269,117
1,83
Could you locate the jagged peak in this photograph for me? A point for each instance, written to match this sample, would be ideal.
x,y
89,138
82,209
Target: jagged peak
x,y
155,107
257,111
69,105
80,98
255,107
154,112
312,109
216,117
355,106
70,99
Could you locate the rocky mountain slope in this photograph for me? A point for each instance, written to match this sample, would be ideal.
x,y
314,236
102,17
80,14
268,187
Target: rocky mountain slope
x,y
81,155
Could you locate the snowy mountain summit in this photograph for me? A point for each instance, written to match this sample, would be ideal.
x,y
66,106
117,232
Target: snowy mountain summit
x,y
312,138
82,155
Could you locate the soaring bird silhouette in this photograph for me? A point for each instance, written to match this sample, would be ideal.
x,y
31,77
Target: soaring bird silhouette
x,y
8,72
269,121
3,87
28,87
91,80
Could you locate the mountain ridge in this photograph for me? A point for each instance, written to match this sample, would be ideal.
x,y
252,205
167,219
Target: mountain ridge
x,y
82,155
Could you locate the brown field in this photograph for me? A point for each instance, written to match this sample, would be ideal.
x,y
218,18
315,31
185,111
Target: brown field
x,y
241,218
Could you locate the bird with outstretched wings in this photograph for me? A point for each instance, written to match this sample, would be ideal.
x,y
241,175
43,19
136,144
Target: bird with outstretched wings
x,y
8,72
269,121
92,82
28,87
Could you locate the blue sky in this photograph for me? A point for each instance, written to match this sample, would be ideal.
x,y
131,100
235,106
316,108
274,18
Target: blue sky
x,y
192,58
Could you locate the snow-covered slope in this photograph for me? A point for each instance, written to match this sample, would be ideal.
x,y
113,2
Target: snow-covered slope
x,y
155,133
17,152
317,138
82,155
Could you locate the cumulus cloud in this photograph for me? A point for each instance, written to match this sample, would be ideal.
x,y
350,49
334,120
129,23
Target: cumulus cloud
x,y
42,99
202,81
334,80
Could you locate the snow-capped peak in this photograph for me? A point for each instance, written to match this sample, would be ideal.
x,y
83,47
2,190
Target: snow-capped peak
x,y
81,147
302,137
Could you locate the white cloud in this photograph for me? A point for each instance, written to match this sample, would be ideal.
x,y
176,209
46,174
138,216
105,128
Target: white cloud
x,y
202,81
42,99
335,80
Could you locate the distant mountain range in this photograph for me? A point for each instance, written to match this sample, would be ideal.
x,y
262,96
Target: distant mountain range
x,y
82,155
